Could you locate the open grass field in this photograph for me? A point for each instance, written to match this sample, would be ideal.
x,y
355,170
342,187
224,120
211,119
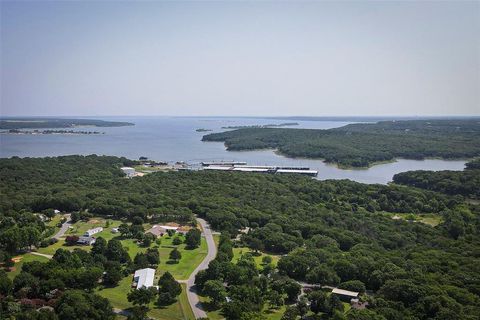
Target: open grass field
x,y
80,227
238,252
426,218
22,259
270,314
118,297
142,168
60,244
212,314
190,258
55,220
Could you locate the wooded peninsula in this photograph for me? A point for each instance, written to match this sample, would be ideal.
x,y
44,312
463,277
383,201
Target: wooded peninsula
x,y
364,144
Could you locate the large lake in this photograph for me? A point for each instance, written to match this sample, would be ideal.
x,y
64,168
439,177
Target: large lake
x,y
175,139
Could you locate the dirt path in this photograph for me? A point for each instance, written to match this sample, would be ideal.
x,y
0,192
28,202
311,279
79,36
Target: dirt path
x,y
48,256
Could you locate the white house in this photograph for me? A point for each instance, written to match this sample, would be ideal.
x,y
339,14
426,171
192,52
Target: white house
x,y
143,278
114,230
130,172
93,231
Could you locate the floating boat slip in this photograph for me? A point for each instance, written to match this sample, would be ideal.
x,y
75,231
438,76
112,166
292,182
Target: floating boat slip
x,y
222,163
312,173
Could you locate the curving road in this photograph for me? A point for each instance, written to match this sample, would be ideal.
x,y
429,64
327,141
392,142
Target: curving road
x,y
64,227
191,290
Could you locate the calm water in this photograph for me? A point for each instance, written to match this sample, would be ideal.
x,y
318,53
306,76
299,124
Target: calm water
x,y
175,139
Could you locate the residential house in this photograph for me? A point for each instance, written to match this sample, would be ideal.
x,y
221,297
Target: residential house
x,y
159,231
86,240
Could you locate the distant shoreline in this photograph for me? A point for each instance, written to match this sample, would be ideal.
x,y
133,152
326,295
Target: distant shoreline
x,y
272,125
59,132
49,123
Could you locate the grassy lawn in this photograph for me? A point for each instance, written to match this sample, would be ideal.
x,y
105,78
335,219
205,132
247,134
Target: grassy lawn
x,y
60,244
28,257
216,239
426,218
80,227
270,314
179,310
55,220
142,168
118,297
238,252
190,258
212,314
274,314
430,219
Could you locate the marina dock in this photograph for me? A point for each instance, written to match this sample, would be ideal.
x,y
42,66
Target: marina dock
x,y
262,169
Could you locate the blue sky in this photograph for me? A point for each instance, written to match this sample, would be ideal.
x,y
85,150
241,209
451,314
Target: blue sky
x,y
240,58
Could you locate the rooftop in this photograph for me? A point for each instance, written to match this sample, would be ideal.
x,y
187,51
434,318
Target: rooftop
x,y
345,292
144,278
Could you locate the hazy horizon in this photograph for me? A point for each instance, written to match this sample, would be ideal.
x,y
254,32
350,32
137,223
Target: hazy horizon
x,y
260,59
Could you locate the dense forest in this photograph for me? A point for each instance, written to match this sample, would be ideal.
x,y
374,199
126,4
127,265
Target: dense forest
x,y
362,144
328,233
35,123
465,183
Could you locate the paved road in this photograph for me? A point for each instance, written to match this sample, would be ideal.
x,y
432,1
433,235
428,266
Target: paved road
x,y
64,227
191,291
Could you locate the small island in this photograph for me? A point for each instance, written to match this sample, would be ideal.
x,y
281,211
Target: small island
x,y
203,130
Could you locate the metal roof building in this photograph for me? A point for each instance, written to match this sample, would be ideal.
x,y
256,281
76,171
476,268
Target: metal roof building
x,y
93,231
143,278
345,293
